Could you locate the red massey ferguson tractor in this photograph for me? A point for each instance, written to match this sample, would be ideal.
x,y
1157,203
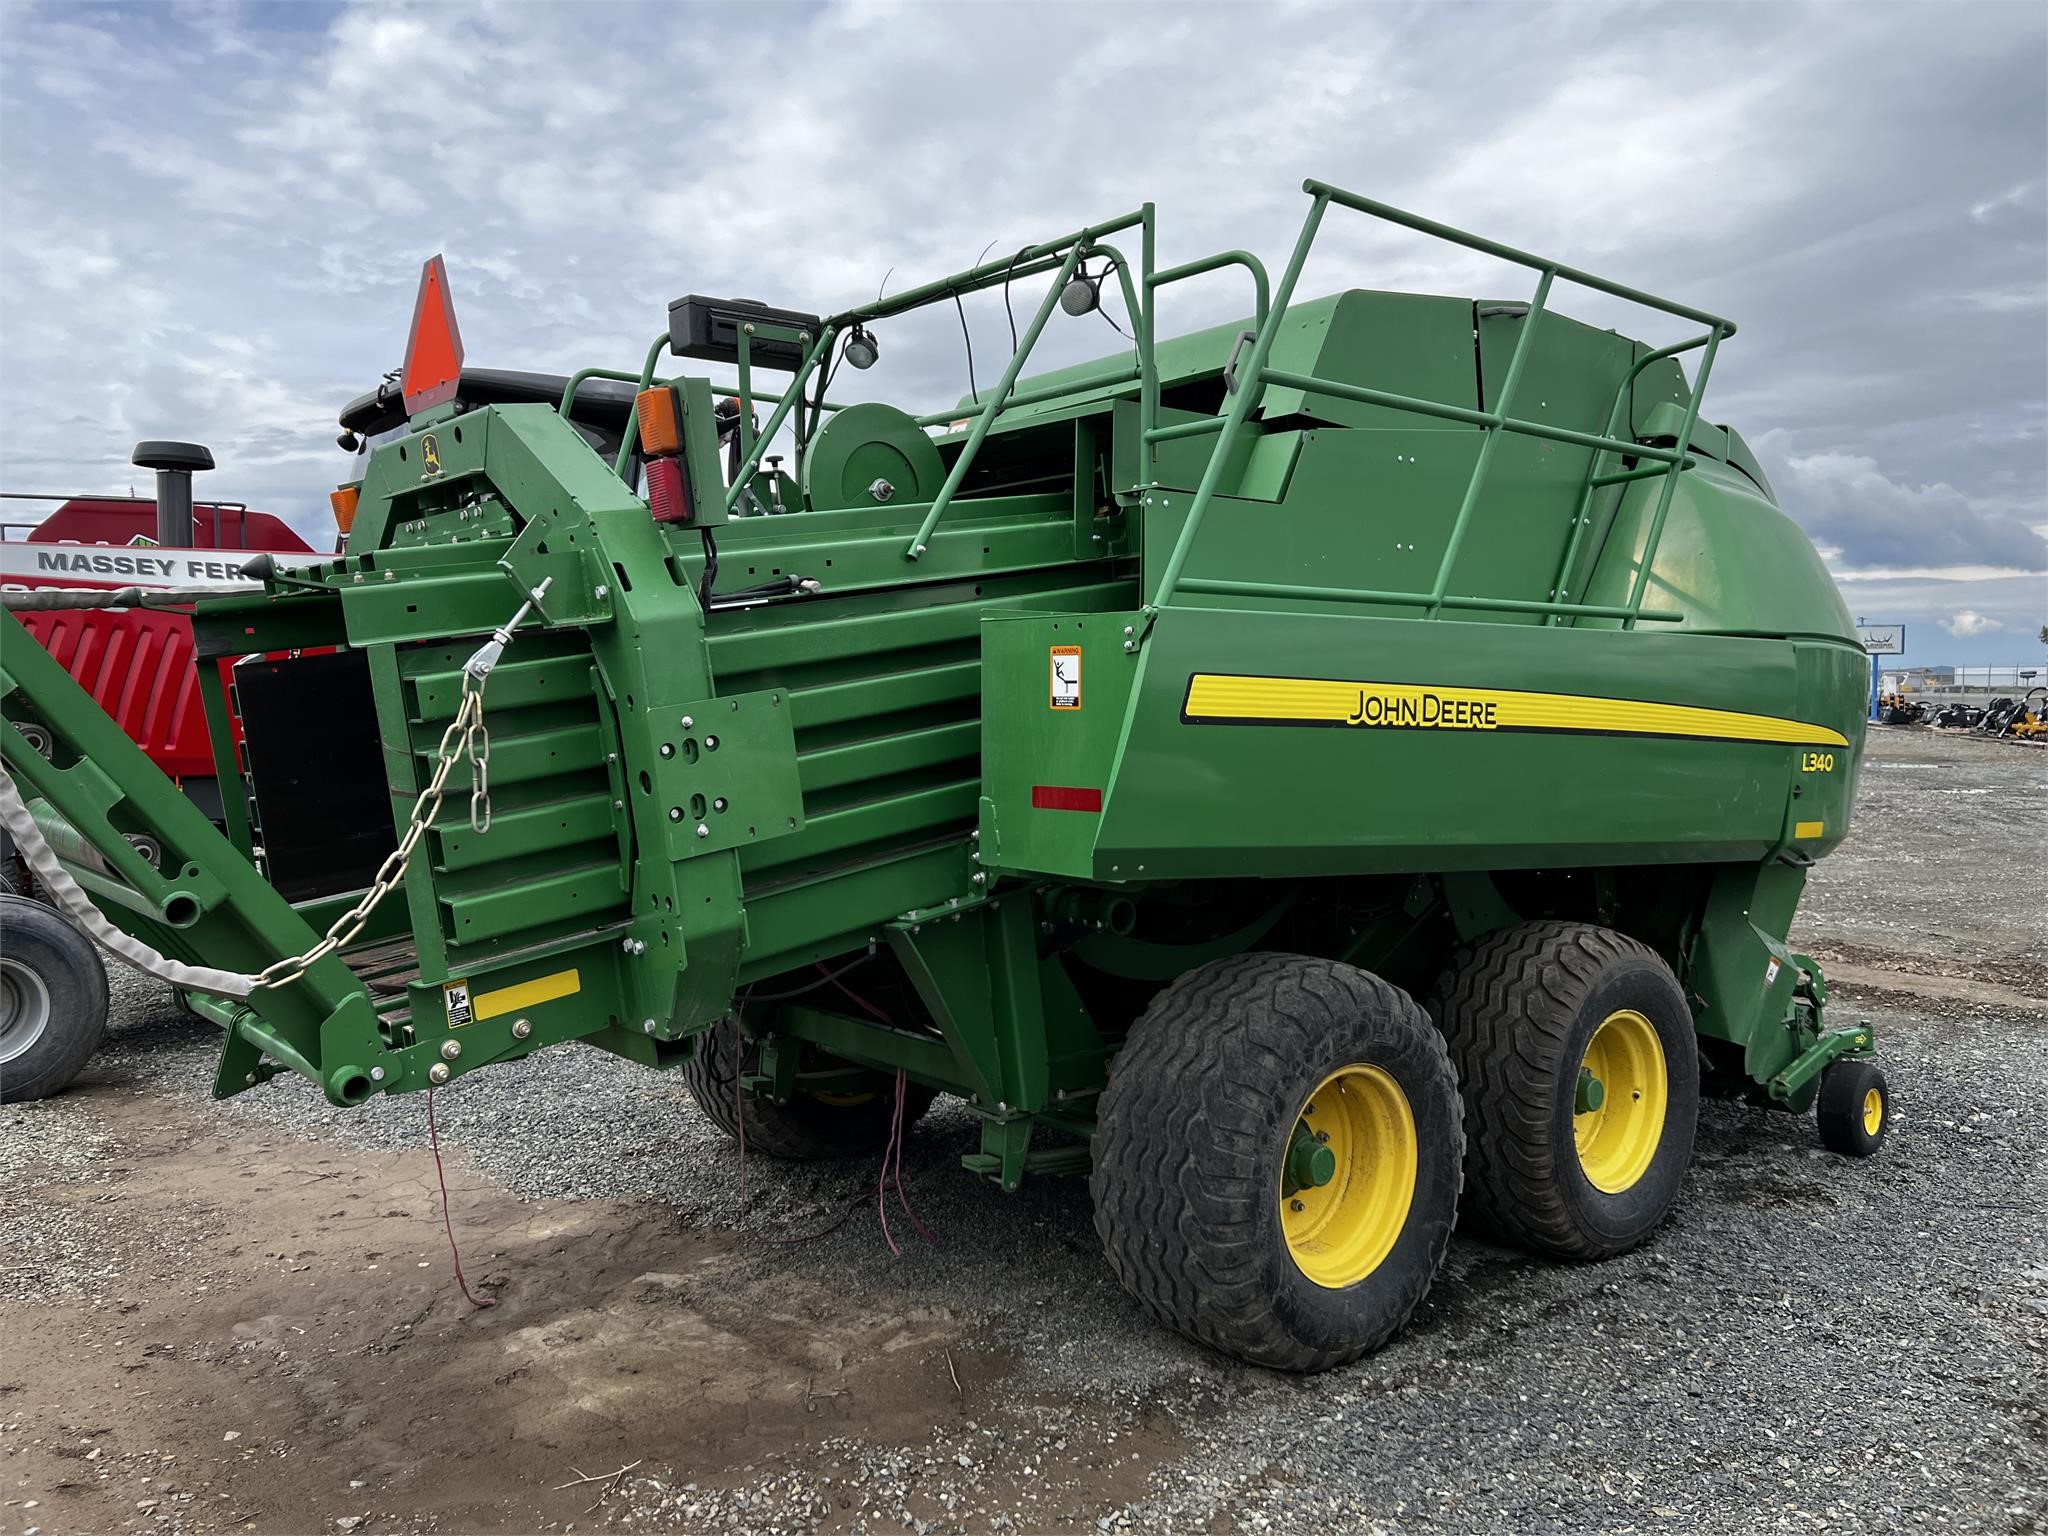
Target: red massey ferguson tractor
x,y
137,663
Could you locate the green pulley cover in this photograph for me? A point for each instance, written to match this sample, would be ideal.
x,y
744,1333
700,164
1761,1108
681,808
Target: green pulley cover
x,y
865,447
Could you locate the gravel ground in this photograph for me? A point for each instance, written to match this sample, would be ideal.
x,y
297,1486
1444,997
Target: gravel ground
x,y
1811,1344
1942,866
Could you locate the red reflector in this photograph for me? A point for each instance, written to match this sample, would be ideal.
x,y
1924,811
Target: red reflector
x,y
433,353
667,493
1064,797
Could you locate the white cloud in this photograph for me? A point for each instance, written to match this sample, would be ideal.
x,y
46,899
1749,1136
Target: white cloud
x,y
212,217
1571,172
1868,519
2014,299
2013,199
1969,622
1923,572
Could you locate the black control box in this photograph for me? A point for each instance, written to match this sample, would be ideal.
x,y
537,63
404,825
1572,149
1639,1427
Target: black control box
x,y
710,329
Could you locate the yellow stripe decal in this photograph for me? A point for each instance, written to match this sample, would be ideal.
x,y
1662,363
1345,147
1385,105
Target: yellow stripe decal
x,y
1809,831
528,994
1222,699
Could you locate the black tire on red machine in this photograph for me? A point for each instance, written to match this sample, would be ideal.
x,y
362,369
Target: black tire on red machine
x,y
1276,1159
1579,1067
53,1000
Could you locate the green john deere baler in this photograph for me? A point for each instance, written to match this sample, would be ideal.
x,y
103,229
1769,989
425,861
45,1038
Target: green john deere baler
x,y
1290,773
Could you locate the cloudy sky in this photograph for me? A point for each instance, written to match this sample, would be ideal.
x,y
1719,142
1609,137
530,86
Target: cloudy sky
x,y
212,216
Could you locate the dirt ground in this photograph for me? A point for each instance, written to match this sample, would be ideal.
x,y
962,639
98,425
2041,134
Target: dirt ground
x,y
219,1318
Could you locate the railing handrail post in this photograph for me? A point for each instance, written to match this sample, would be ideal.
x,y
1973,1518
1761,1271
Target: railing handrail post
x,y
1656,534
752,461
1146,369
629,439
1148,361
1240,403
1583,517
1487,449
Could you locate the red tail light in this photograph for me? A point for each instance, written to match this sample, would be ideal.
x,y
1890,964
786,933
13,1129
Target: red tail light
x,y
668,493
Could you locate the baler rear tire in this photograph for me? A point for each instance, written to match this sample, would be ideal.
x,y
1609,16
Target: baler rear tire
x,y
1520,1008
1192,1139
807,1128
53,1000
1854,1109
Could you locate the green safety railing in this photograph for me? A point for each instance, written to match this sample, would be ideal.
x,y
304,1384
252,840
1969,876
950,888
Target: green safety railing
x,y
1250,387
1060,257
1246,388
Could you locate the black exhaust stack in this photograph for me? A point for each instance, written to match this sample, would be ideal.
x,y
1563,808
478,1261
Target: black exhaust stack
x,y
174,464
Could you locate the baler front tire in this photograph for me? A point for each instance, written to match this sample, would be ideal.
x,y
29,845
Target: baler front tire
x,y
53,1000
806,1129
1529,1012
1854,1110
1194,1137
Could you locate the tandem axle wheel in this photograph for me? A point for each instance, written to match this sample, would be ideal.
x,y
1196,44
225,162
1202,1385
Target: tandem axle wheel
x,y
1276,1159
1579,1067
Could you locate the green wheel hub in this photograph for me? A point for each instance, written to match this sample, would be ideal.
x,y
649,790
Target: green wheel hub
x,y
1589,1095
1310,1162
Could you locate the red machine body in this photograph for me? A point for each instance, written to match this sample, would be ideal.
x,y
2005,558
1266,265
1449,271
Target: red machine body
x,y
137,663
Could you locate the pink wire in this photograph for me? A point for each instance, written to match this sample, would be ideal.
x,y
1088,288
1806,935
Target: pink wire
x,y
892,1152
903,1198
882,1188
739,1097
862,1003
434,1140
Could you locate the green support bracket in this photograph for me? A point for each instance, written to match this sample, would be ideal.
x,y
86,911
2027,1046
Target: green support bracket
x,y
884,1048
1796,1085
1005,1149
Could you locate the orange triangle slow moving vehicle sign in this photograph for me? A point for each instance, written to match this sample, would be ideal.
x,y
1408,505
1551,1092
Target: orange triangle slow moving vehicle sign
x,y
433,353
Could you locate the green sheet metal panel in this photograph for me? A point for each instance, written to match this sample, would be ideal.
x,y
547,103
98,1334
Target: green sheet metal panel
x,y
1663,382
1280,797
1744,458
1367,508
1055,688
1522,521
1729,561
493,896
1409,343
1666,420
1834,683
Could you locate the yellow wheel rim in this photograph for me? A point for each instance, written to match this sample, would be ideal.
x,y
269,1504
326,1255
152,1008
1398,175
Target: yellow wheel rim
x,y
1623,1094
1873,1112
1341,1231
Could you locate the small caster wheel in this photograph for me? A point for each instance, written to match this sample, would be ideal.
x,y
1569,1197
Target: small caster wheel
x,y
1855,1108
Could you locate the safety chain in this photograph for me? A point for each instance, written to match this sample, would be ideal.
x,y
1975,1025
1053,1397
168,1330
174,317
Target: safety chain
x,y
465,737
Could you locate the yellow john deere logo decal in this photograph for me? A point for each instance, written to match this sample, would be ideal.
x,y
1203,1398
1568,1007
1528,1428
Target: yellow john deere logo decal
x,y
1220,699
430,454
